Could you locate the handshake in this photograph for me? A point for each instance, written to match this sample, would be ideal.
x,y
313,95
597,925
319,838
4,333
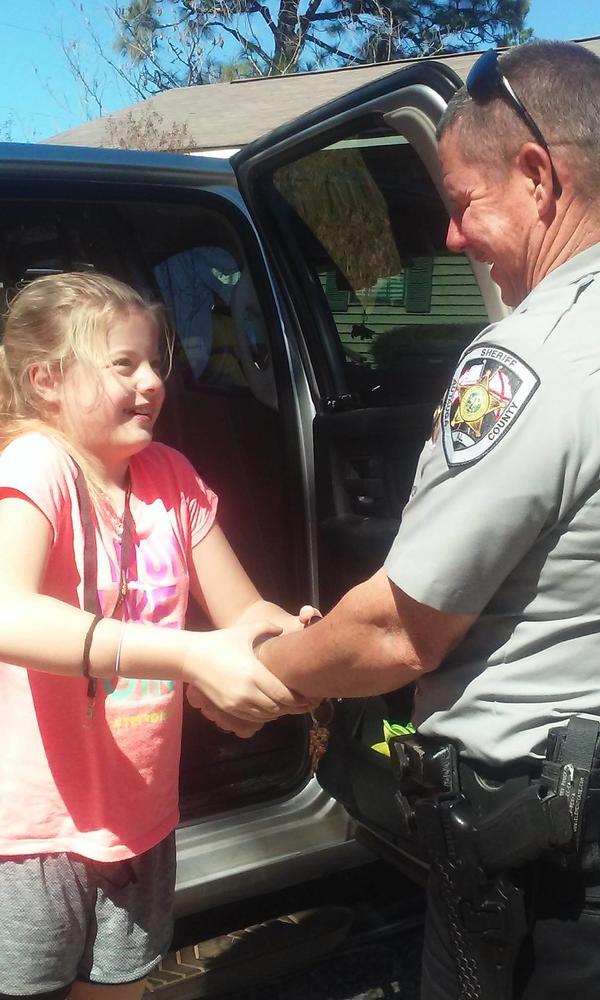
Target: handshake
x,y
231,686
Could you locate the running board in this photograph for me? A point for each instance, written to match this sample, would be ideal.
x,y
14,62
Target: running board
x,y
242,958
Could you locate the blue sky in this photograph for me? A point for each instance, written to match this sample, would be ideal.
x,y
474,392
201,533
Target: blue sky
x,y
39,96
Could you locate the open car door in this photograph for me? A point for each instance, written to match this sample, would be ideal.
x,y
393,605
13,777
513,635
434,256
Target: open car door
x,y
349,204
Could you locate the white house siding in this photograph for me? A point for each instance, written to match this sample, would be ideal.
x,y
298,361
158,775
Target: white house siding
x,y
455,311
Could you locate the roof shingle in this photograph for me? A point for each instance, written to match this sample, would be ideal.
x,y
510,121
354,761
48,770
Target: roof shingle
x,y
229,115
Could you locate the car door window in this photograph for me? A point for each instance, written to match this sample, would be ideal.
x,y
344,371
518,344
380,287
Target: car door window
x,y
196,284
370,227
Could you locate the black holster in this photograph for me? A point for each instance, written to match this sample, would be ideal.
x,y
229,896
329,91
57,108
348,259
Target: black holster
x,y
476,829
486,913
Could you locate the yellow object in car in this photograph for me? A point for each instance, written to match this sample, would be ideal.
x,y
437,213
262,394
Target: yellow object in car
x,y
392,729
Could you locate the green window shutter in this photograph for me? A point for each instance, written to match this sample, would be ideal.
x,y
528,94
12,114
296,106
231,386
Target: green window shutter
x,y
419,275
337,298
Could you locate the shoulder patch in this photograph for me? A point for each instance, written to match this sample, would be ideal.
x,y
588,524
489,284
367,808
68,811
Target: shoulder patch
x,y
488,391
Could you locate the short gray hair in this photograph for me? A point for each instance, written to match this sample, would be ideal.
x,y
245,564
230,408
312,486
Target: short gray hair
x,y
559,84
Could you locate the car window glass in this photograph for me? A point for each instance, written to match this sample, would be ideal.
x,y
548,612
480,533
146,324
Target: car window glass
x,y
370,227
200,280
197,286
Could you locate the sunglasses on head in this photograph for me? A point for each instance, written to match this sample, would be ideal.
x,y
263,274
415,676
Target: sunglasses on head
x,y
486,80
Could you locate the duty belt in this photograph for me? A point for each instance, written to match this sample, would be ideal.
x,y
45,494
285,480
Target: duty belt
x,y
526,815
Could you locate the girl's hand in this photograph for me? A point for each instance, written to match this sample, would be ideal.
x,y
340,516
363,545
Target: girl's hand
x,y
228,723
306,613
278,616
223,666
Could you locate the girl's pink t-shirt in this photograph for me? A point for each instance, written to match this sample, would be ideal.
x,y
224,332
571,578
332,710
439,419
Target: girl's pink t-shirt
x,y
104,787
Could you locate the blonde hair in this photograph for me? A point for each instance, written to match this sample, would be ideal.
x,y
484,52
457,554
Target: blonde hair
x,y
52,322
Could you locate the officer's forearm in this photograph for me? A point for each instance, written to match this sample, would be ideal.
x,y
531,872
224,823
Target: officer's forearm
x,y
336,660
376,639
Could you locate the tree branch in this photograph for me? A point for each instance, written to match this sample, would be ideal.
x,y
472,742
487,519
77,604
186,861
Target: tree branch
x,y
351,59
243,41
181,49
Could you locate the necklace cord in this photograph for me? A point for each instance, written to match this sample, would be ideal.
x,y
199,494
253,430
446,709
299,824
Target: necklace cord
x,y
91,601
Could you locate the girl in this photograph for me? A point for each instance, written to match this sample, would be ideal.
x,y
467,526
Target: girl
x,y
103,533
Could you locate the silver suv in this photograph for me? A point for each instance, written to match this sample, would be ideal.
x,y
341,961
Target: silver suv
x,y
318,317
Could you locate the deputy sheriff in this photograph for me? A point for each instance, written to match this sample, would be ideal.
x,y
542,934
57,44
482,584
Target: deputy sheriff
x,y
490,596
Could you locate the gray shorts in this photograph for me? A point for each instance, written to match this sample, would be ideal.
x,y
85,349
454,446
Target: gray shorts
x,y
65,918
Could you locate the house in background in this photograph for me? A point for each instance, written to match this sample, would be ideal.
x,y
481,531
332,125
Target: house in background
x,y
219,118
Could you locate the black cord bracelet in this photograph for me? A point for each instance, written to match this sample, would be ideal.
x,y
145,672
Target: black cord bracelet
x,y
87,645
